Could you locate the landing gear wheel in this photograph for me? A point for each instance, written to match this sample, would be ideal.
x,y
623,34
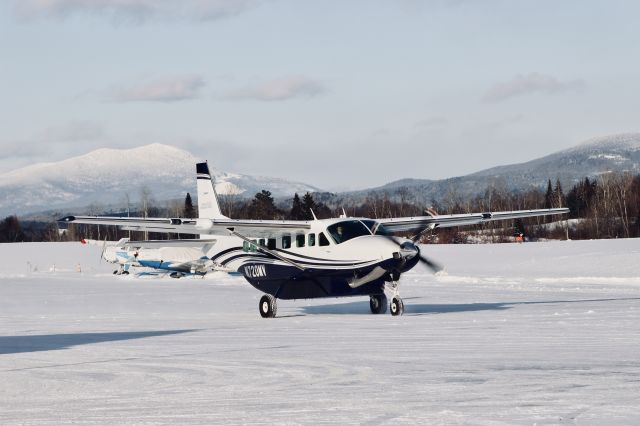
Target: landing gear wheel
x,y
378,303
267,306
125,272
396,306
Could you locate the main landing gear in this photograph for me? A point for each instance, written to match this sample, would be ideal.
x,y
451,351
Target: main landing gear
x,y
268,306
121,271
378,303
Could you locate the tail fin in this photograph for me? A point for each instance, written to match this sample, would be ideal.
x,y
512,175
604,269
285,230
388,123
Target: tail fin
x,y
208,206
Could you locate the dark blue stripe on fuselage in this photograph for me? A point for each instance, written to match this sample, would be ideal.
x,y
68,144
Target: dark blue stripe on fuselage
x,y
223,252
288,282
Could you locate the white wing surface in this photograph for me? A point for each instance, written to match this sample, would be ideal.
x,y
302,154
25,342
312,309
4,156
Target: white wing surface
x,y
255,228
418,223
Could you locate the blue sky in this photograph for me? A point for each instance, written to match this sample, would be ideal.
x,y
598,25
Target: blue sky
x,y
338,94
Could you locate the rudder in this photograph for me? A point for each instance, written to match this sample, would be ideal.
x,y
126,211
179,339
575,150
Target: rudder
x,y
208,206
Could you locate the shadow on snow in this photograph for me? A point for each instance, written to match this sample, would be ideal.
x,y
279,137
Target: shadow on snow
x,y
362,307
48,342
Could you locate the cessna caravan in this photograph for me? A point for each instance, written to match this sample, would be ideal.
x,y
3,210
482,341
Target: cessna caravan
x,y
306,259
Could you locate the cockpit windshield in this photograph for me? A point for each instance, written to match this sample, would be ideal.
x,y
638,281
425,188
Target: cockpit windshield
x,y
346,230
375,227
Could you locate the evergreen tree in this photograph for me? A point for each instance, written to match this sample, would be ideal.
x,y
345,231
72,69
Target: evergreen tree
x,y
296,212
189,211
548,197
308,204
11,230
558,195
263,207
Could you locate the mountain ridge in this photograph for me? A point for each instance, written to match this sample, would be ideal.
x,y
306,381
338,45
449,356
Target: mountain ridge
x,y
591,158
109,175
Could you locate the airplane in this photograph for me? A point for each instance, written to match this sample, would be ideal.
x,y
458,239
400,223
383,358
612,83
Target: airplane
x,y
180,257
115,252
184,260
319,258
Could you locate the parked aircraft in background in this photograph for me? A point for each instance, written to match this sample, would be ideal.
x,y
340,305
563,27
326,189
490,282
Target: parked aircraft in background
x,y
296,259
180,257
115,252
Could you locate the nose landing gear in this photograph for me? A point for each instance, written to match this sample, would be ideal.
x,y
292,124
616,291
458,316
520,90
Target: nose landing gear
x,y
397,305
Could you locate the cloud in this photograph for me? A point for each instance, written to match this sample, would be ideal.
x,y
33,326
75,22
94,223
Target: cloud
x,y
530,83
170,89
280,89
135,11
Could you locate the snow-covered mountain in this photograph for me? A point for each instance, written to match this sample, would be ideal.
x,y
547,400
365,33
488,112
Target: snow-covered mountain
x,y
106,176
590,159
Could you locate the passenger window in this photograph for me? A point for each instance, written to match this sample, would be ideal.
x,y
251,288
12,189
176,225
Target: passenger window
x,y
262,242
271,243
249,246
323,240
286,241
312,240
300,240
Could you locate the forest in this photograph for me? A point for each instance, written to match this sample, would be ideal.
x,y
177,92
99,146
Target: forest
x,y
604,207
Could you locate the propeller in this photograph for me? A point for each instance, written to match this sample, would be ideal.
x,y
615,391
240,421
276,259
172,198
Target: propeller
x,y
410,246
434,266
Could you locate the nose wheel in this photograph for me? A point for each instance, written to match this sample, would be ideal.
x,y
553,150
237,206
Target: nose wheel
x,y
268,306
396,306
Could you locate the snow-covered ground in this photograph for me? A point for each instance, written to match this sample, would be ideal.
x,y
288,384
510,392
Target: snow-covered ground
x,y
534,333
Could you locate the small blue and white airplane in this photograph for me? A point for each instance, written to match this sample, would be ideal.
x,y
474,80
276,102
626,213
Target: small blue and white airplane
x,y
192,260
306,259
179,257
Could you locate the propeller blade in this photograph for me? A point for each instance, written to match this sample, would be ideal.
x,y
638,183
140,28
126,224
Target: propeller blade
x,y
434,266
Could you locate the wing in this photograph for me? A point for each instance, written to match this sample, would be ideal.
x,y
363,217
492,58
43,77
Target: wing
x,y
254,228
156,244
419,223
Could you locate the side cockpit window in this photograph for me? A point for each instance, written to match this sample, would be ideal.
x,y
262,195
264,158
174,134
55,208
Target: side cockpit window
x,y
376,228
346,230
323,241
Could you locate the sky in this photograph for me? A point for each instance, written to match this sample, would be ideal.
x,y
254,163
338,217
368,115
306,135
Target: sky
x,y
336,94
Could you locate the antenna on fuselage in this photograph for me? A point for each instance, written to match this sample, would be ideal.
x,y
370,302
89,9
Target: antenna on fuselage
x,y
313,214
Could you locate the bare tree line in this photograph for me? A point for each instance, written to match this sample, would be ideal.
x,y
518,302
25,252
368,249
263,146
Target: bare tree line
x,y
605,207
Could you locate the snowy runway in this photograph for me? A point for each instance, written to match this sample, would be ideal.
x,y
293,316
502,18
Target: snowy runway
x,y
545,333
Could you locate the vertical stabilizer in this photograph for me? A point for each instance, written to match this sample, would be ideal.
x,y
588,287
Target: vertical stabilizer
x,y
208,206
